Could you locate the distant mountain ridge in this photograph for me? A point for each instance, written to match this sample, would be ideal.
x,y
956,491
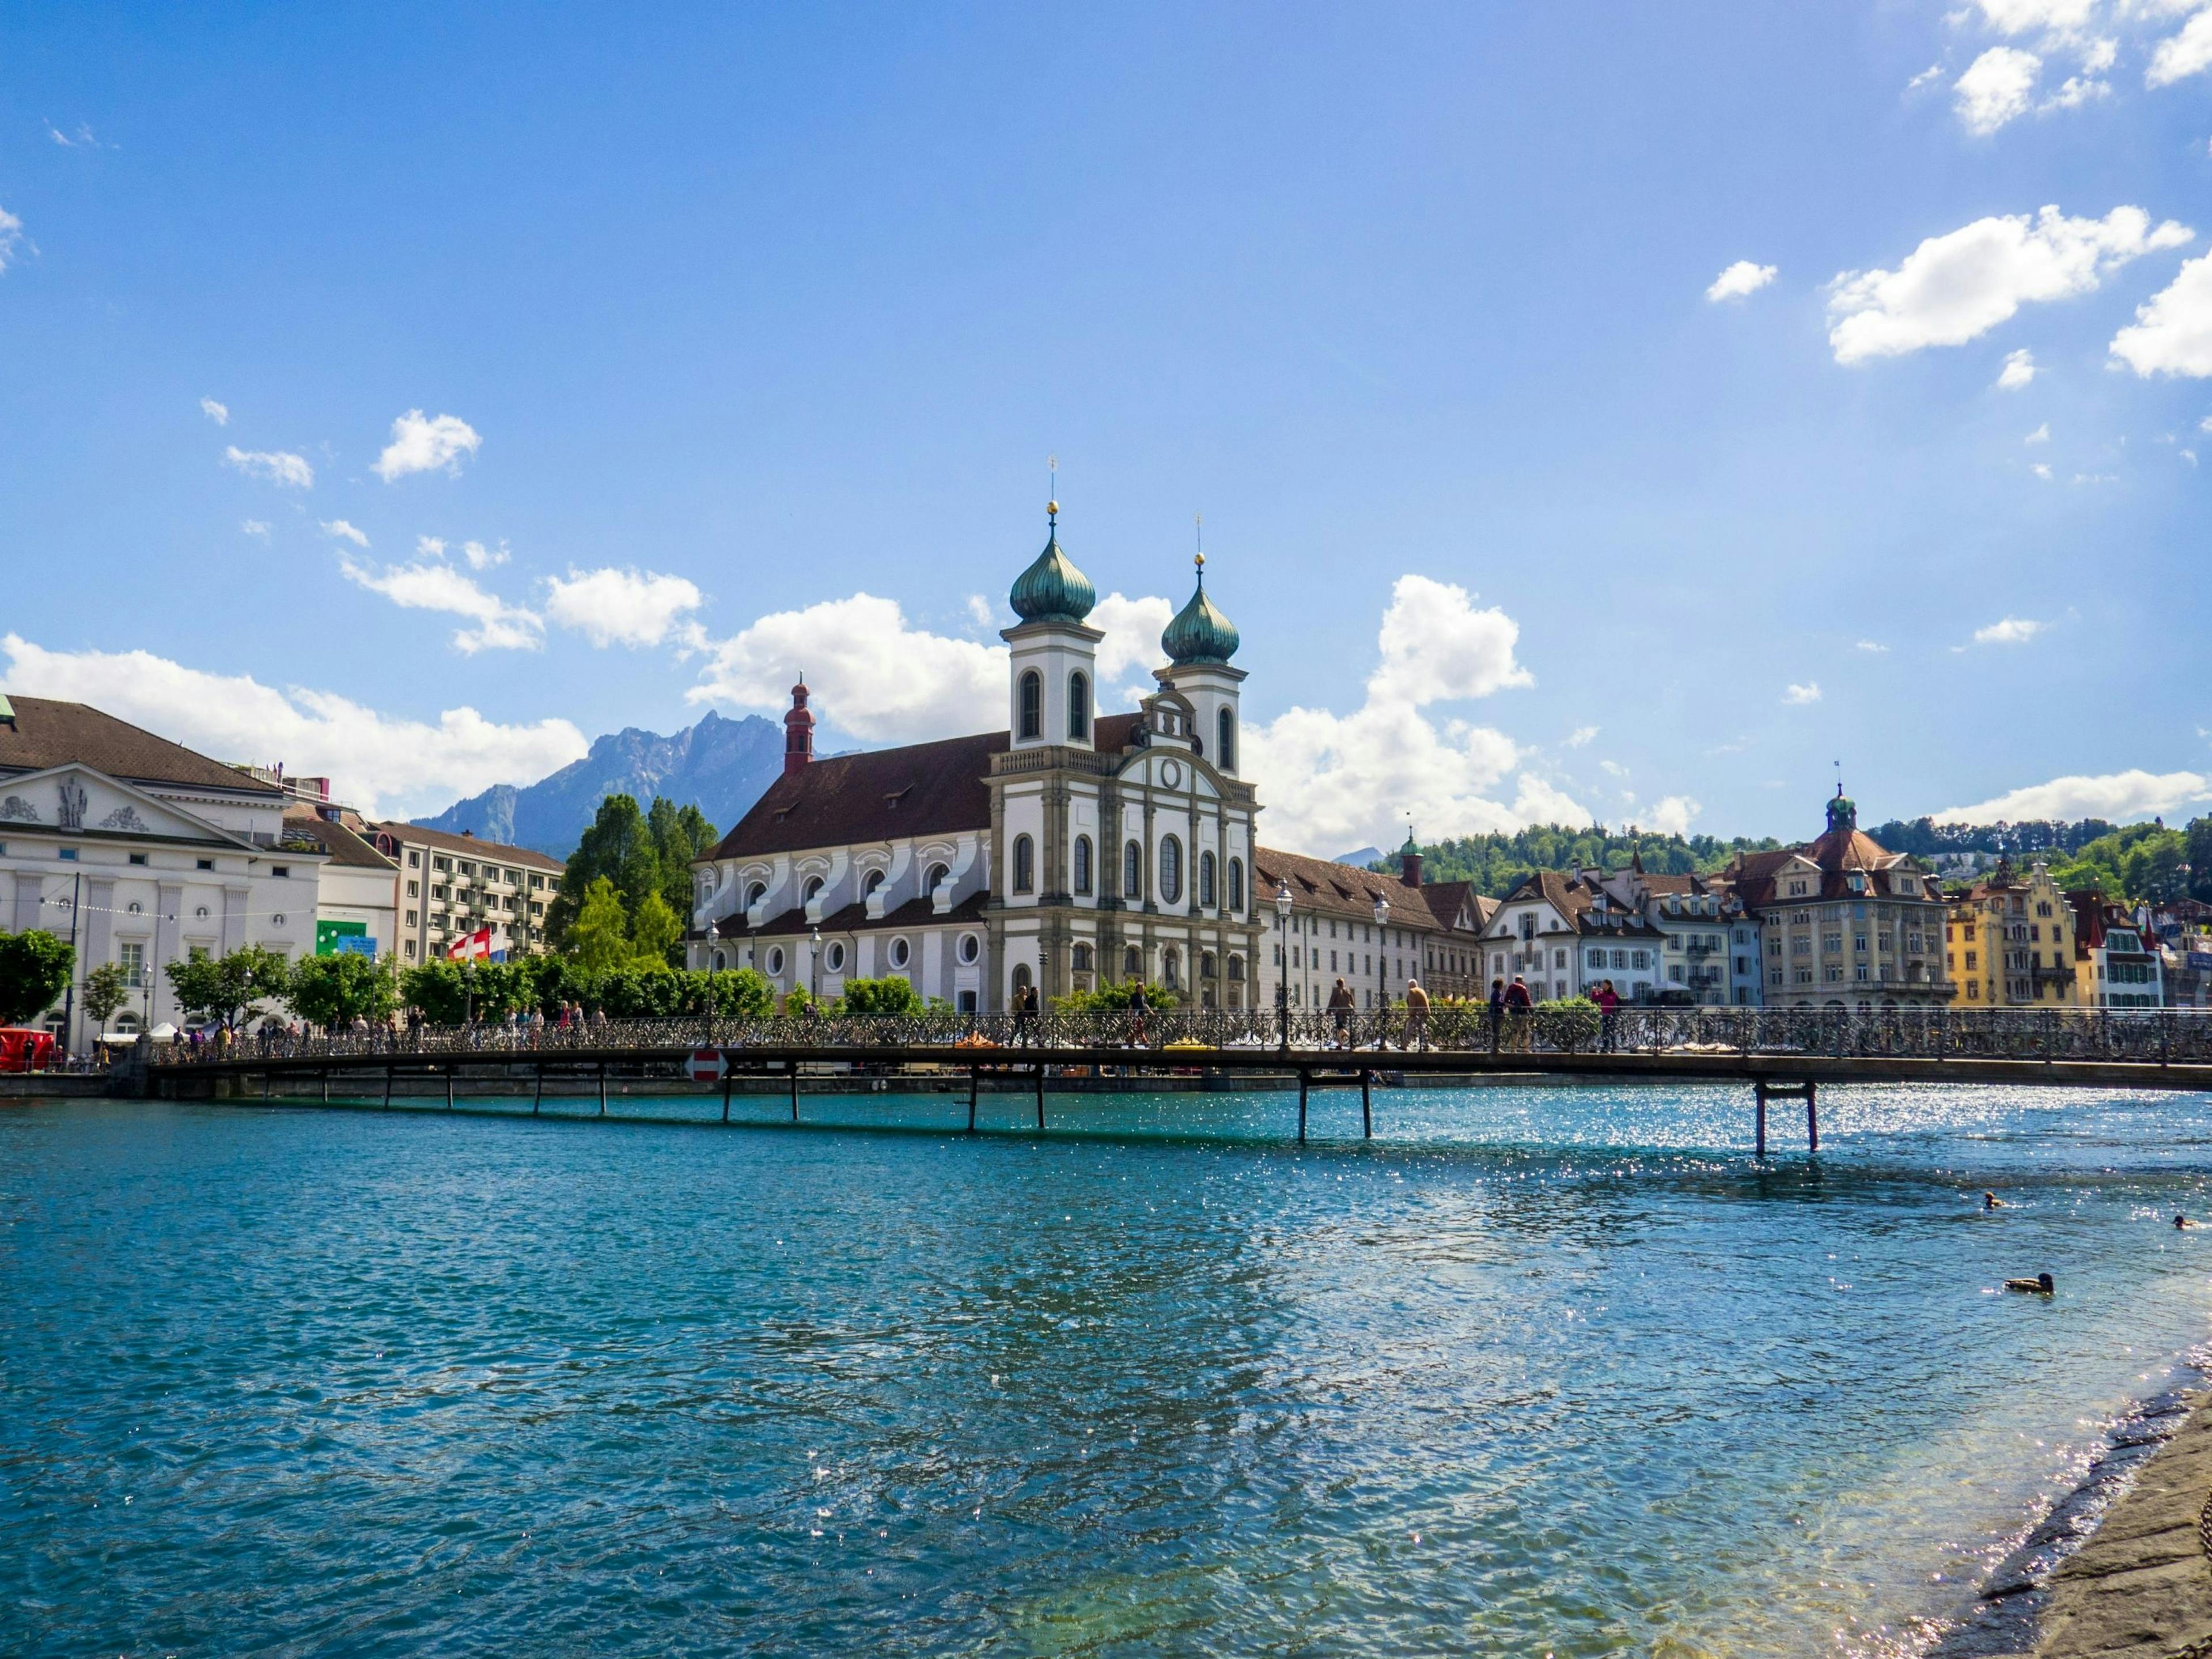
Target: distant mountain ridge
x,y
721,766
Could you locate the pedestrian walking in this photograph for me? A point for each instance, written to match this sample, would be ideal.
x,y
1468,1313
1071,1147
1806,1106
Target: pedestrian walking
x,y
1417,1016
1497,1012
1340,1012
1139,1006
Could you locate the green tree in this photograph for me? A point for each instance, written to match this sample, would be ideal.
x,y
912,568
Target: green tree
x,y
679,835
105,990
34,968
2199,835
599,937
618,848
332,991
230,988
880,996
438,991
655,934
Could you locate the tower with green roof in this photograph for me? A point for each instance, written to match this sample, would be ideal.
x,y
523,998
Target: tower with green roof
x,y
1052,689
1198,643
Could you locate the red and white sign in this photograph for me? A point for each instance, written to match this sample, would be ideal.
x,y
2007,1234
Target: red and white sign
x,y
707,1064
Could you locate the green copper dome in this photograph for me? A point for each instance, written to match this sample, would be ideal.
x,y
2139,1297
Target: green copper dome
x,y
1052,589
1199,632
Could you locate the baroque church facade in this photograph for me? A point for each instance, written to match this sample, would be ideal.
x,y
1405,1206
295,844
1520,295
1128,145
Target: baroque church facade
x,y
1067,851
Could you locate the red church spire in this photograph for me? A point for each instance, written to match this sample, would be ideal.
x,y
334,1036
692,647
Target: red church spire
x,y
798,731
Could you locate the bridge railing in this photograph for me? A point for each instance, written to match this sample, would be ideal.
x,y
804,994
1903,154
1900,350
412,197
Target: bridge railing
x,y
1183,1035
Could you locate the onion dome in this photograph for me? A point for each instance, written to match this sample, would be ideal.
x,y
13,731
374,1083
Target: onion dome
x,y
1199,632
1052,589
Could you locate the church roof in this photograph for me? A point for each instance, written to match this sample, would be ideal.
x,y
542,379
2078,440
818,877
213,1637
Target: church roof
x,y
1052,589
1200,633
46,732
1336,889
854,918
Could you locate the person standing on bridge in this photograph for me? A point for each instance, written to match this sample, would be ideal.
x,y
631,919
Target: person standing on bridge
x,y
1024,1013
1417,1016
1139,1006
1518,1004
1339,1012
1497,1011
1608,1011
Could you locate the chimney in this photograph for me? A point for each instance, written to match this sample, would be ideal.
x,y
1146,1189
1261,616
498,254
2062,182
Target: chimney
x,y
798,731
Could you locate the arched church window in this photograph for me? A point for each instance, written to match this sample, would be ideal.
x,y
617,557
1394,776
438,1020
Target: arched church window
x,y
1225,748
1170,870
1132,872
869,883
812,892
1032,704
1133,962
1083,864
1205,883
755,894
1080,958
1024,864
1236,886
1079,706
1022,976
1171,967
1208,968
1236,968
935,878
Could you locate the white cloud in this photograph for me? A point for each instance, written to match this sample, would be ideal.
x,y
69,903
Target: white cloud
x,y
2019,369
2040,435
276,467
2013,630
2116,797
1581,736
2183,54
2189,455
1933,73
424,586
2172,333
11,237
1132,629
1671,815
1739,279
1612,768
980,611
340,527
1808,692
256,527
1998,87
420,445
2099,56
2042,471
1436,646
621,607
2019,16
383,764
1874,646
481,558
871,675
219,413
1954,287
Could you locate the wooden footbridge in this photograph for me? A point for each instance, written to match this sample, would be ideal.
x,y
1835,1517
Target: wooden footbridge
x,y
1781,1053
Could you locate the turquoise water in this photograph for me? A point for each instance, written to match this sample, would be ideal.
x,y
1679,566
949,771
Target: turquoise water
x,y
1541,1370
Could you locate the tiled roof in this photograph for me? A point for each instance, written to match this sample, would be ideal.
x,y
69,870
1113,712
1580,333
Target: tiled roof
x,y
1336,889
48,732
468,845
1446,898
884,794
343,847
854,918
1838,854
1577,904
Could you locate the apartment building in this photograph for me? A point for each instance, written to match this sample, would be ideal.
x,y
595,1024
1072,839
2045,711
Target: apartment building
x,y
450,886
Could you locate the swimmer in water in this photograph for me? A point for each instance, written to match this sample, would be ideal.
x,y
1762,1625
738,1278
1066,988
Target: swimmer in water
x,y
2181,1221
1991,1201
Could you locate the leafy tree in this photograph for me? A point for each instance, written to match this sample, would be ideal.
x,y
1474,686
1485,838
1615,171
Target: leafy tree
x,y
1495,863
1115,999
655,934
679,835
35,968
2139,861
230,988
881,996
2200,858
106,990
617,848
599,937
736,993
437,989
331,991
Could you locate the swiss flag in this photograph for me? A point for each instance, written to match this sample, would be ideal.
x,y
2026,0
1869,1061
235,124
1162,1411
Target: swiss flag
x,y
471,947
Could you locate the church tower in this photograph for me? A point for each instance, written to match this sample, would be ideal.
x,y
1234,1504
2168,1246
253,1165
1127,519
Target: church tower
x,y
1198,643
1053,690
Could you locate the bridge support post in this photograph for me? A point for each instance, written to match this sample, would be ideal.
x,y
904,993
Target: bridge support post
x,y
1759,1095
1302,1106
1040,1096
602,1088
1812,1119
792,1066
388,1088
725,1090
971,1100
538,1095
327,1085
449,1088
1366,1107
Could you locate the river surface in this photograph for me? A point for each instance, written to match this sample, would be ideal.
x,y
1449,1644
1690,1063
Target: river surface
x,y
1542,1371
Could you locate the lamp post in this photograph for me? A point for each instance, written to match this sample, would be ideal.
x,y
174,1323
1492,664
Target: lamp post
x,y
814,967
1282,967
1382,970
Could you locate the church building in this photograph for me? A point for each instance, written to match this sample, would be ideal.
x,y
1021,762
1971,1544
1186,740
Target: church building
x,y
1065,851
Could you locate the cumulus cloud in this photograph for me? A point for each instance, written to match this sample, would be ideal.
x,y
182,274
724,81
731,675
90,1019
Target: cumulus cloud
x,y
2041,471
11,238
2024,16
256,527
1798,695
2019,369
2182,54
1928,76
1671,815
1874,647
1739,279
340,527
621,607
380,762
421,445
1334,780
428,584
2116,797
1581,736
1998,87
276,466
871,674
2040,435
2172,333
1956,286
1132,628
219,413
2012,630
481,558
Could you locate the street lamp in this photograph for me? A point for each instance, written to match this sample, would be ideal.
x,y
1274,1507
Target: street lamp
x,y
1382,970
814,966
1283,964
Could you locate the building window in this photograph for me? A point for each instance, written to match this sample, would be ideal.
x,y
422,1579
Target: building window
x,y
1079,707
1170,870
1207,967
132,959
870,882
1132,872
206,864
1171,967
1024,864
1225,748
68,855
899,952
718,962
1083,864
1236,886
1133,962
775,960
1642,960
1079,958
935,878
410,918
834,958
1205,883
970,947
812,891
1236,969
414,859
1032,704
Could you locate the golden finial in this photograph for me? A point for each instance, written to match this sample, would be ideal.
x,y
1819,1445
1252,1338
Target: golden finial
x,y
1051,470
1197,520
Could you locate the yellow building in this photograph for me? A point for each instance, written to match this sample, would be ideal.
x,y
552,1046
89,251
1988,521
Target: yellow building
x,y
2008,942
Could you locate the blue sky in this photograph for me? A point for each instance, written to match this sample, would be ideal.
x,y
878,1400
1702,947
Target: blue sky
x,y
736,344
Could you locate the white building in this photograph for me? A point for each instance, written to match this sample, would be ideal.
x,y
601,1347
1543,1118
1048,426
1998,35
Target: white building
x,y
1067,850
142,853
1561,935
356,895
450,886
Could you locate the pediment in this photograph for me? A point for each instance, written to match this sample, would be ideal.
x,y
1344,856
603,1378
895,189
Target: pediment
x,y
75,800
